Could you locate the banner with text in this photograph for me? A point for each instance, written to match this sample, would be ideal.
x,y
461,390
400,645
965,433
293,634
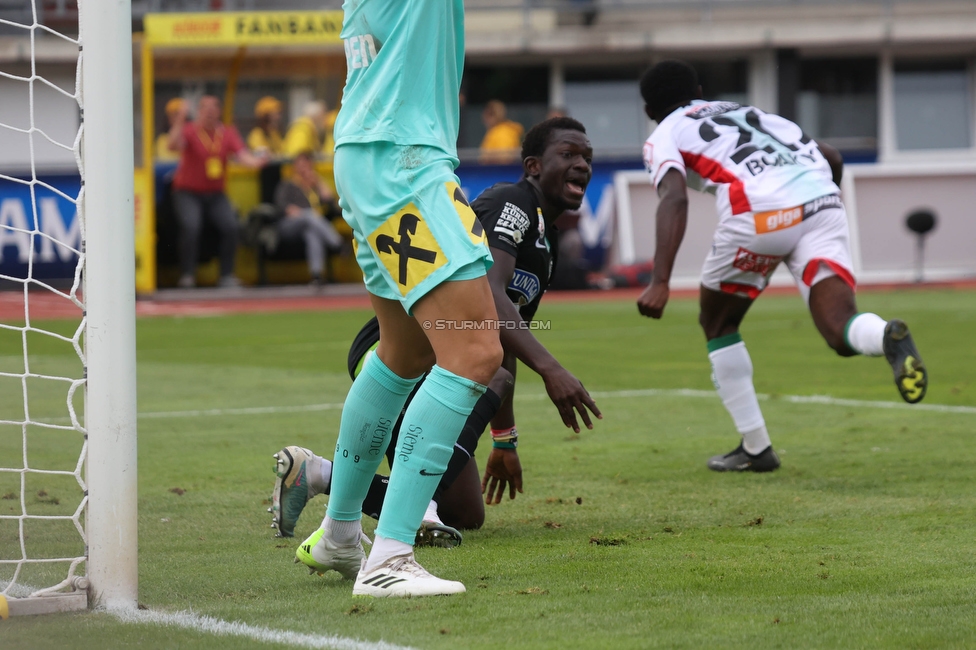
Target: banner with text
x,y
230,28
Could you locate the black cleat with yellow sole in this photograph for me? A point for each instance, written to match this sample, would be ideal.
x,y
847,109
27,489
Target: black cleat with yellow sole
x,y
911,377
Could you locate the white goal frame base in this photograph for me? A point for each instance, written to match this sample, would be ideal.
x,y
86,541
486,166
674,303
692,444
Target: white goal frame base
x,y
53,603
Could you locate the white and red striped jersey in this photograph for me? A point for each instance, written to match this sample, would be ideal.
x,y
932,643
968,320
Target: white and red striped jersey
x,y
751,160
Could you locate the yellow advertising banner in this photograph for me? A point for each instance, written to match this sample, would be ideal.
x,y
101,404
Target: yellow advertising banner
x,y
229,28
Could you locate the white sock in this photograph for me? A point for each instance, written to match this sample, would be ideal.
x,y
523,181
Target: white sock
x,y
756,440
865,334
344,533
431,514
383,549
732,376
318,472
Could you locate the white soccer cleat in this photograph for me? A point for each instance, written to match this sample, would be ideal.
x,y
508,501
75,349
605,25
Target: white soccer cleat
x,y
401,576
320,554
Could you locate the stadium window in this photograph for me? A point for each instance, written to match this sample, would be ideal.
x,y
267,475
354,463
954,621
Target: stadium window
x,y
838,101
607,101
933,105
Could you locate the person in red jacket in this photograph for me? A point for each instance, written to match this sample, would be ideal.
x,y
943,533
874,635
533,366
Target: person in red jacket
x,y
199,187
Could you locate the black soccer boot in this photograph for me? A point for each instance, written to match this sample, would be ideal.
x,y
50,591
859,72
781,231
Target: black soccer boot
x,y
739,460
911,377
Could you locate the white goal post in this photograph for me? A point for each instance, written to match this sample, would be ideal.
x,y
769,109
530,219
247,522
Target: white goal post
x,y
105,574
105,29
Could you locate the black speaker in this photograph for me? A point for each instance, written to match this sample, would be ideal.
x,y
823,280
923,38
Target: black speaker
x,y
921,222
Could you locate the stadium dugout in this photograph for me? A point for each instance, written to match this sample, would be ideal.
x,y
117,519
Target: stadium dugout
x,y
228,49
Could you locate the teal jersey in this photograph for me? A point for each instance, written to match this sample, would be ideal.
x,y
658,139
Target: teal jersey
x,y
404,60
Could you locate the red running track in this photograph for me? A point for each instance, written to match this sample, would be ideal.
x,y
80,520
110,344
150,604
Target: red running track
x,y
48,305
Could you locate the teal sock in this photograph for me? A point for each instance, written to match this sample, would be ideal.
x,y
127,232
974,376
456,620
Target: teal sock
x,y
368,415
428,432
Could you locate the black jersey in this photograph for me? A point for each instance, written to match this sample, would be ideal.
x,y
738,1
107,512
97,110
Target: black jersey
x,y
512,218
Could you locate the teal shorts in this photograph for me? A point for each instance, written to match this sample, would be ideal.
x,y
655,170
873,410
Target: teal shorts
x,y
413,226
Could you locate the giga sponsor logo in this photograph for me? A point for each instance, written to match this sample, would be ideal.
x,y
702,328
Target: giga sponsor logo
x,y
773,220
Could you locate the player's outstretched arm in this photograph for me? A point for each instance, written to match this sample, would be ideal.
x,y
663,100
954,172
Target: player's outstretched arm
x,y
565,390
503,467
672,216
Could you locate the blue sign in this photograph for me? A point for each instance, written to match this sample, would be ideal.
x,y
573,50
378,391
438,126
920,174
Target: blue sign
x,y
39,227
48,224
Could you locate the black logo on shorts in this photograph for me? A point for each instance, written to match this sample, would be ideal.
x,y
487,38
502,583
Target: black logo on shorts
x,y
424,472
404,248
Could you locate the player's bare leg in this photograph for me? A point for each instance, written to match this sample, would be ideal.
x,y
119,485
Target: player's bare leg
x,y
834,311
404,346
474,353
721,314
720,317
832,306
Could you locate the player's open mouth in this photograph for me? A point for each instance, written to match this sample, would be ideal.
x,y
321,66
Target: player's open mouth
x,y
576,189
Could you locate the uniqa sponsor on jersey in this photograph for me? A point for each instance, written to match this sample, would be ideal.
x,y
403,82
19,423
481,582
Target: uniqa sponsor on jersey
x,y
526,285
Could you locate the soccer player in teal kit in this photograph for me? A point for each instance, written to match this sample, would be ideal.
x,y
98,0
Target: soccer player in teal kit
x,y
424,258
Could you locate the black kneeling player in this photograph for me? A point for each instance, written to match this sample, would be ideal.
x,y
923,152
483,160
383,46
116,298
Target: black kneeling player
x,y
517,219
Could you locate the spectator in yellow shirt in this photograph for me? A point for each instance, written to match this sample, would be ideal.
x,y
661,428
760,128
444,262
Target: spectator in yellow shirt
x,y
174,108
503,140
305,133
266,136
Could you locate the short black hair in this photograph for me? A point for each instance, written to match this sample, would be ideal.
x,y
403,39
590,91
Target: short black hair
x,y
537,139
667,84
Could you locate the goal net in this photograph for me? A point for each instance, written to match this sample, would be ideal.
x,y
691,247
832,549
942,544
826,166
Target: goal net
x,y
66,322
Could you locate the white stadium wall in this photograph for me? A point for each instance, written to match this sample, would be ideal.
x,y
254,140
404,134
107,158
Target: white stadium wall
x,y
54,114
885,196
878,199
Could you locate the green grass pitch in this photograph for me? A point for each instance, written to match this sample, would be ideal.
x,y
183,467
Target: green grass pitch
x,y
866,537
